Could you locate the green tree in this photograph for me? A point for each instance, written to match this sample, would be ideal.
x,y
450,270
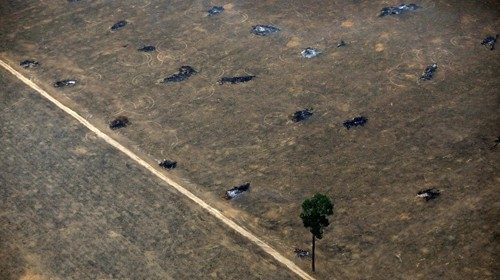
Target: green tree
x,y
315,212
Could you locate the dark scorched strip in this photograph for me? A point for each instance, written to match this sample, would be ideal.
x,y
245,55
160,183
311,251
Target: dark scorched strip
x,y
147,49
184,73
235,80
119,25
357,121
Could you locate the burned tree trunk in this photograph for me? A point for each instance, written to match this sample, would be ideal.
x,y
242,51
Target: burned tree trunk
x,y
313,267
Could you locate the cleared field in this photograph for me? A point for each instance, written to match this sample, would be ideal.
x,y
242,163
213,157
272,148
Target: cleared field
x,y
437,133
72,207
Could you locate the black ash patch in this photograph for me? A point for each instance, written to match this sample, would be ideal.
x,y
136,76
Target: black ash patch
x,y
119,122
168,164
184,73
357,121
237,191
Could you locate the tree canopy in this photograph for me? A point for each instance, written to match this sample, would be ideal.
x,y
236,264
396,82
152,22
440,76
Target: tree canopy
x,y
314,214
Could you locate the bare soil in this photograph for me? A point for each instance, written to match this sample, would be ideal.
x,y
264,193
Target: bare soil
x,y
72,207
420,134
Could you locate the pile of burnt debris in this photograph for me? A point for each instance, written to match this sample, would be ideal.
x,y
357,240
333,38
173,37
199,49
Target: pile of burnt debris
x,y
215,10
263,30
429,194
168,164
310,52
65,83
119,25
357,121
29,63
490,42
302,115
235,80
237,191
119,122
398,10
301,253
429,72
183,74
147,49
